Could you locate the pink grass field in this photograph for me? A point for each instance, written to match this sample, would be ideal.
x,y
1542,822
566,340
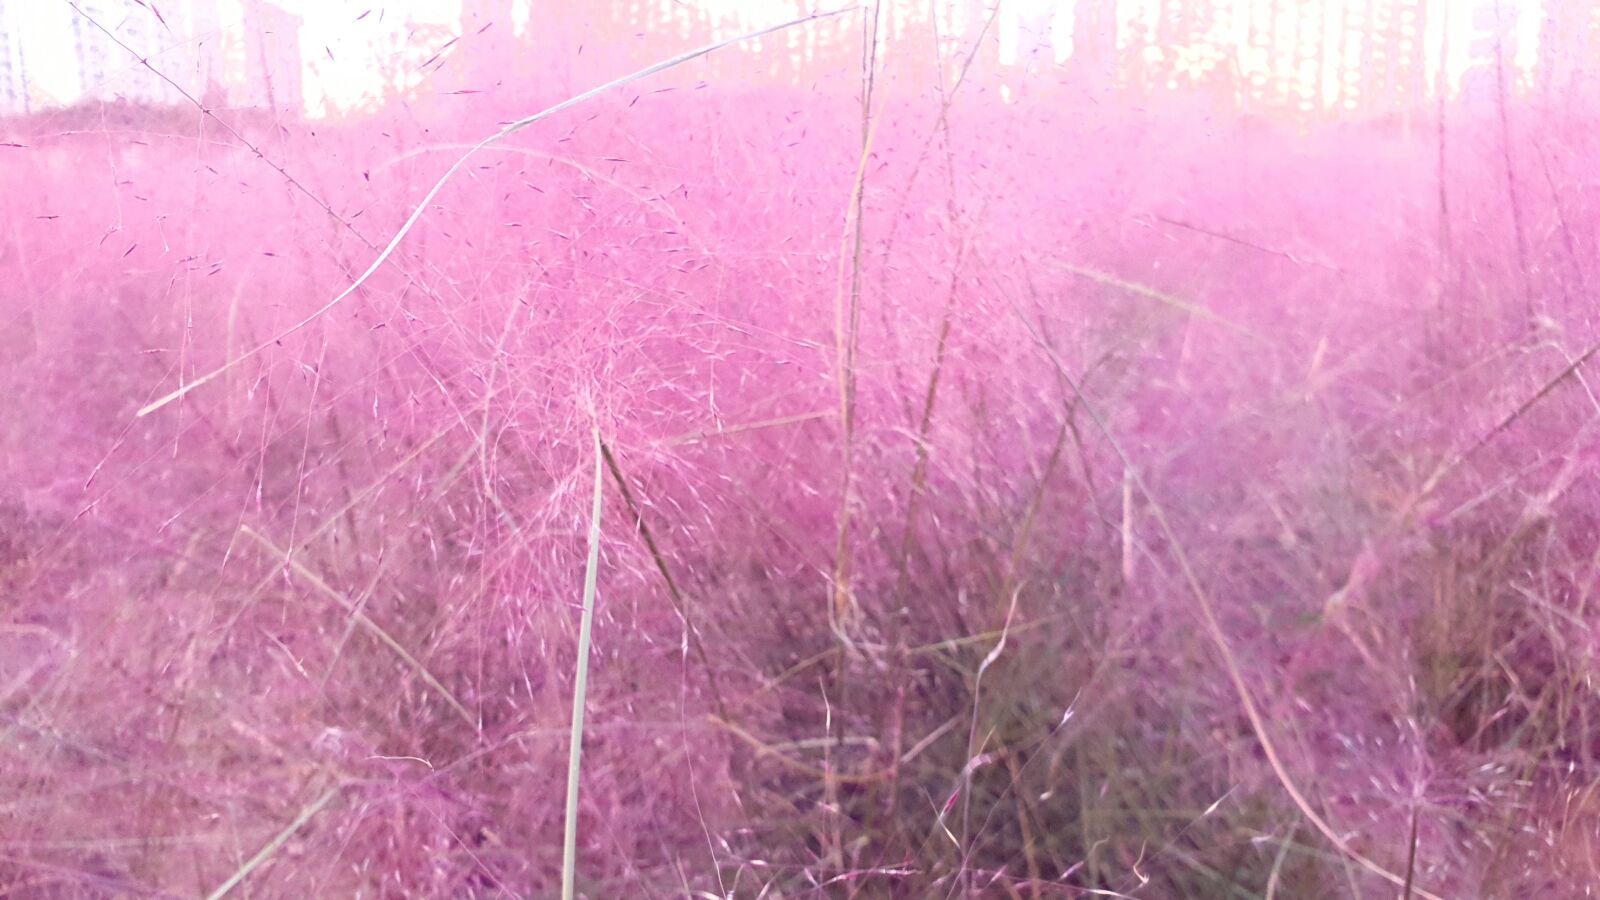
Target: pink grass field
x,y
1153,501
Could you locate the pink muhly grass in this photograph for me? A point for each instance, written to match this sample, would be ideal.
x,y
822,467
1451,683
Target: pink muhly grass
x,y
1081,491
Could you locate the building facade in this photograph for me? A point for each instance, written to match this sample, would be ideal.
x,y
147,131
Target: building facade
x,y
15,97
109,66
273,64
154,54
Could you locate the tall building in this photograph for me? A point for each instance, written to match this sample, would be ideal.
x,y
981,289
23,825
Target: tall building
x,y
1182,45
109,68
1382,67
1192,35
1492,52
1093,63
1282,55
182,40
1568,70
1305,61
14,98
978,13
273,64
204,70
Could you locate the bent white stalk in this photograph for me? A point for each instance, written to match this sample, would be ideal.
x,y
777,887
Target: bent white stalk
x,y
455,167
580,685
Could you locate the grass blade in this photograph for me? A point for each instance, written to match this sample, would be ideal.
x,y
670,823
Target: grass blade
x,y
362,619
1139,290
272,846
580,683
